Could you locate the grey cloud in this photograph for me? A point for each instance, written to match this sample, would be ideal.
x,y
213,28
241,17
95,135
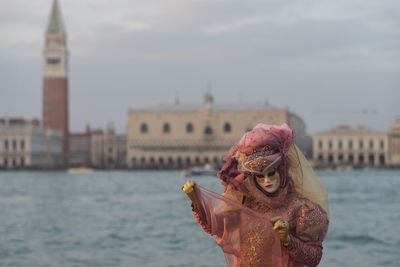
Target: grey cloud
x,y
306,55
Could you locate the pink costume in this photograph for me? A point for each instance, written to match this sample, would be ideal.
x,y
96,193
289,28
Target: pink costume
x,y
240,218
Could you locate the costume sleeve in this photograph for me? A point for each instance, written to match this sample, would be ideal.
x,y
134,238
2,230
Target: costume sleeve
x,y
219,221
311,228
200,217
225,214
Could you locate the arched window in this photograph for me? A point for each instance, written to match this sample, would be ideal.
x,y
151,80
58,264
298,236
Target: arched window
x,y
197,160
350,143
143,128
320,144
360,143
170,161
133,160
320,158
340,157
371,159
382,159
161,161
216,161
361,158
371,144
189,127
188,162
227,127
351,158
166,128
340,144
179,161
330,144
208,130
206,160
330,158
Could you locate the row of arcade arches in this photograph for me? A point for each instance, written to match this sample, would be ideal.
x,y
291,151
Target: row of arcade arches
x,y
363,159
174,162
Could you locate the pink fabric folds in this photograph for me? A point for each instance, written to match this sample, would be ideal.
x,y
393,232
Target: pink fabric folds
x,y
245,236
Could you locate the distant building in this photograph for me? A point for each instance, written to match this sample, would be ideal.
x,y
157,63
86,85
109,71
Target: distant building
x,y
79,149
55,76
354,147
394,144
176,136
108,149
25,144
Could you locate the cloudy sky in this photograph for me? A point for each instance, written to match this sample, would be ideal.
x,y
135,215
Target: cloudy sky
x,y
325,60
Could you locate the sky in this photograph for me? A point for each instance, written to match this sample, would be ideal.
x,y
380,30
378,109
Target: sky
x,y
324,60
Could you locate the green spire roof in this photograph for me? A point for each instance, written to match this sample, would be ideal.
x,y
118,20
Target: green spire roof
x,y
55,24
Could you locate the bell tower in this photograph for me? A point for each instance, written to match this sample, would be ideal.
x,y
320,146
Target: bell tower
x,y
55,76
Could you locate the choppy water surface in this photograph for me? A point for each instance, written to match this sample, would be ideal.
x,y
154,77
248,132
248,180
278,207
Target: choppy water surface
x,y
143,219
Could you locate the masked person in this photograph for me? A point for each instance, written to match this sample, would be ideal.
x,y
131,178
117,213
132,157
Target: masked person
x,y
274,210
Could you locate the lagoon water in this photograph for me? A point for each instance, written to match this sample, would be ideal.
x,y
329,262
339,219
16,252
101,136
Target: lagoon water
x,y
141,218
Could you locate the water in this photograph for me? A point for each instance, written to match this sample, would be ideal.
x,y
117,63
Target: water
x,y
143,219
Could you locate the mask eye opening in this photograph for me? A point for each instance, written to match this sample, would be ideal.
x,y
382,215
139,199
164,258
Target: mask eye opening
x,y
259,176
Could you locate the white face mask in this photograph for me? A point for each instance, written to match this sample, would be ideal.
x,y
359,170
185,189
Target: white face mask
x,y
269,181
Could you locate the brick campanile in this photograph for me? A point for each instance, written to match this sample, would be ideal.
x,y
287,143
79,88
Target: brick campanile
x,y
55,77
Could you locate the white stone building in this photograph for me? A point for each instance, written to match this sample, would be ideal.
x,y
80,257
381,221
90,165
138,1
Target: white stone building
x,y
394,144
177,135
354,147
79,149
25,144
107,148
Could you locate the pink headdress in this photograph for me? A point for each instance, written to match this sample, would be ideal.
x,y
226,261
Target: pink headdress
x,y
257,151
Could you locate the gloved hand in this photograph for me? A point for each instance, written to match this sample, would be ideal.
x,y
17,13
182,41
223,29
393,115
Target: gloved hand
x,y
189,190
281,226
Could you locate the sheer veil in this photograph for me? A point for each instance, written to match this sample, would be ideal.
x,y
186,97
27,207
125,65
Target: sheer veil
x,y
305,180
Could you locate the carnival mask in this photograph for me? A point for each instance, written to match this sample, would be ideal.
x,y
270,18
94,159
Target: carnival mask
x,y
269,181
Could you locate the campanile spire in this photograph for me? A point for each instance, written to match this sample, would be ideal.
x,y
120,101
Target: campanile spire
x,y
55,76
56,24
